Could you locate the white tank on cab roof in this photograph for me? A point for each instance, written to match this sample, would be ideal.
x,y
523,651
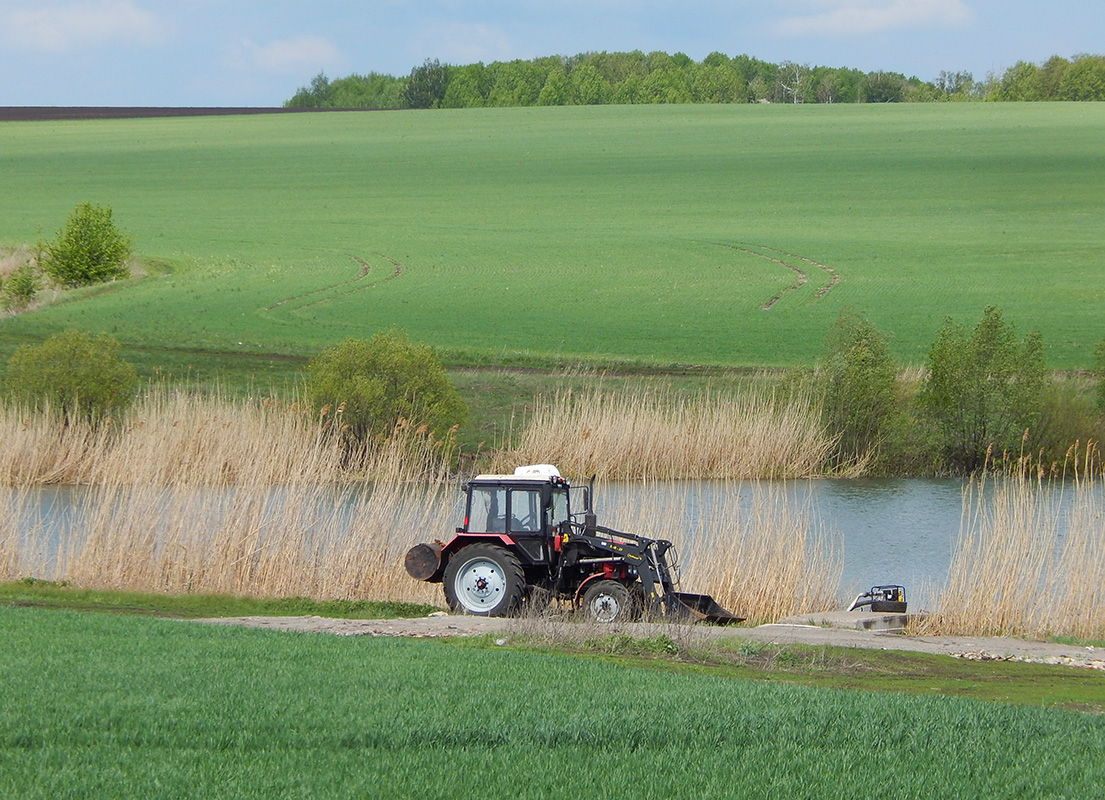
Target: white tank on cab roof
x,y
537,471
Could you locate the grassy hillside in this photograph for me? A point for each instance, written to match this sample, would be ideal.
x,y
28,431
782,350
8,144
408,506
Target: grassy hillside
x,y
628,234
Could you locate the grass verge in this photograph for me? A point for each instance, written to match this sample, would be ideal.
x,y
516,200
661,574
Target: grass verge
x,y
682,652
31,592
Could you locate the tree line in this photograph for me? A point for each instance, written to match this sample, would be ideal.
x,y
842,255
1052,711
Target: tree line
x,y
636,77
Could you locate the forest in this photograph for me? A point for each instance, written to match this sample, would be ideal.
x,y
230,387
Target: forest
x,y
636,77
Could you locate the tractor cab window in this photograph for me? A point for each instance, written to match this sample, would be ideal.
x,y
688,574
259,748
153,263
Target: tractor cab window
x,y
525,511
487,509
559,506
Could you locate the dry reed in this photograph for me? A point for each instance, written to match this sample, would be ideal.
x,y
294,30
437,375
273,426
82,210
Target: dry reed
x,y
760,553
190,494
171,437
658,435
1030,559
207,495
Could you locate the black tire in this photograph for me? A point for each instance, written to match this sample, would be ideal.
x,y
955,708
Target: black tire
x,y
610,601
484,580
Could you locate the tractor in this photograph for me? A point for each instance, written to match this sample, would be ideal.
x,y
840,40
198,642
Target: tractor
x,y
523,544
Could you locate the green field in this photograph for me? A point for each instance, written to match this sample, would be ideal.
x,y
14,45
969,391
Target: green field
x,y
102,706
603,234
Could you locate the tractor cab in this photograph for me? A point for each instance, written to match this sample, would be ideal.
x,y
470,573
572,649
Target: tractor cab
x,y
525,509
515,506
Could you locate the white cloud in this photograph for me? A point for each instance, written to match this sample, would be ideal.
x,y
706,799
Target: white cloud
x,y
289,56
854,17
63,28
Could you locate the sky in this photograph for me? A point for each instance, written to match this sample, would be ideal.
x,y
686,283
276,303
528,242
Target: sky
x,y
259,52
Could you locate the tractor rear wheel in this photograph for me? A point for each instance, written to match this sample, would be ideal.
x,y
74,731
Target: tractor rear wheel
x,y
485,580
609,601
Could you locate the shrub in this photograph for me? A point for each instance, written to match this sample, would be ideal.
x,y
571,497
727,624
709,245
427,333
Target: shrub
x,y
88,250
1067,417
378,383
20,289
984,389
81,376
859,389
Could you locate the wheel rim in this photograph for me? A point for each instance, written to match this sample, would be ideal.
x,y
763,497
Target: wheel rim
x,y
480,585
604,607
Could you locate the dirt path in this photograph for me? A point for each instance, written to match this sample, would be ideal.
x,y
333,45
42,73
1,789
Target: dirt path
x,y
446,625
801,278
397,270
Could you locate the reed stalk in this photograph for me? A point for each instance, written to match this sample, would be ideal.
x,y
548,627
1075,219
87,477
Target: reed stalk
x,y
1030,558
760,554
192,494
658,435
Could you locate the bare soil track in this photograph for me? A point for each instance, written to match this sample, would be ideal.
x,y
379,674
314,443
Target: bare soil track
x,y
800,276
446,625
48,113
359,287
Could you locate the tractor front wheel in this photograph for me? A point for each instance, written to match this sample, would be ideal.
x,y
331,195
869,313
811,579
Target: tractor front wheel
x,y
609,601
483,579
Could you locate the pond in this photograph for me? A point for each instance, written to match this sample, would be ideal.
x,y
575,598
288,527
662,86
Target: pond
x,y
891,531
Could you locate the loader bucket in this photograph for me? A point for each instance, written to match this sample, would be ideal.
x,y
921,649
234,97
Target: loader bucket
x,y
687,607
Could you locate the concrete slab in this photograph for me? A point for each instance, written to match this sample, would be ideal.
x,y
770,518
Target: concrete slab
x,y
851,620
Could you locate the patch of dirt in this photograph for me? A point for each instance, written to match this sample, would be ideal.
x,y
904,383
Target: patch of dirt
x,y
48,113
441,625
12,258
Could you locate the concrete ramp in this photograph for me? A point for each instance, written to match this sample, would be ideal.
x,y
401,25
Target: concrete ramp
x,y
849,620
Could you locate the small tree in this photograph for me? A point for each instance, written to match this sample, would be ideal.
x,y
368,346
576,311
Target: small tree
x,y
426,85
984,389
88,250
74,373
859,382
378,382
20,289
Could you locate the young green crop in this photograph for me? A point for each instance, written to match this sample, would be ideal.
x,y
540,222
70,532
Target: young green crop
x,y
101,706
634,234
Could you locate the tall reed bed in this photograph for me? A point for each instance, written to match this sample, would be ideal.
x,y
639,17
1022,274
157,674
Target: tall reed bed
x,y
759,552
208,495
172,437
1030,559
658,435
309,540
192,494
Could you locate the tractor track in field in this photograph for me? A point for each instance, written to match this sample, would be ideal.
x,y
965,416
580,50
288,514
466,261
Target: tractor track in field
x,y
801,278
396,272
